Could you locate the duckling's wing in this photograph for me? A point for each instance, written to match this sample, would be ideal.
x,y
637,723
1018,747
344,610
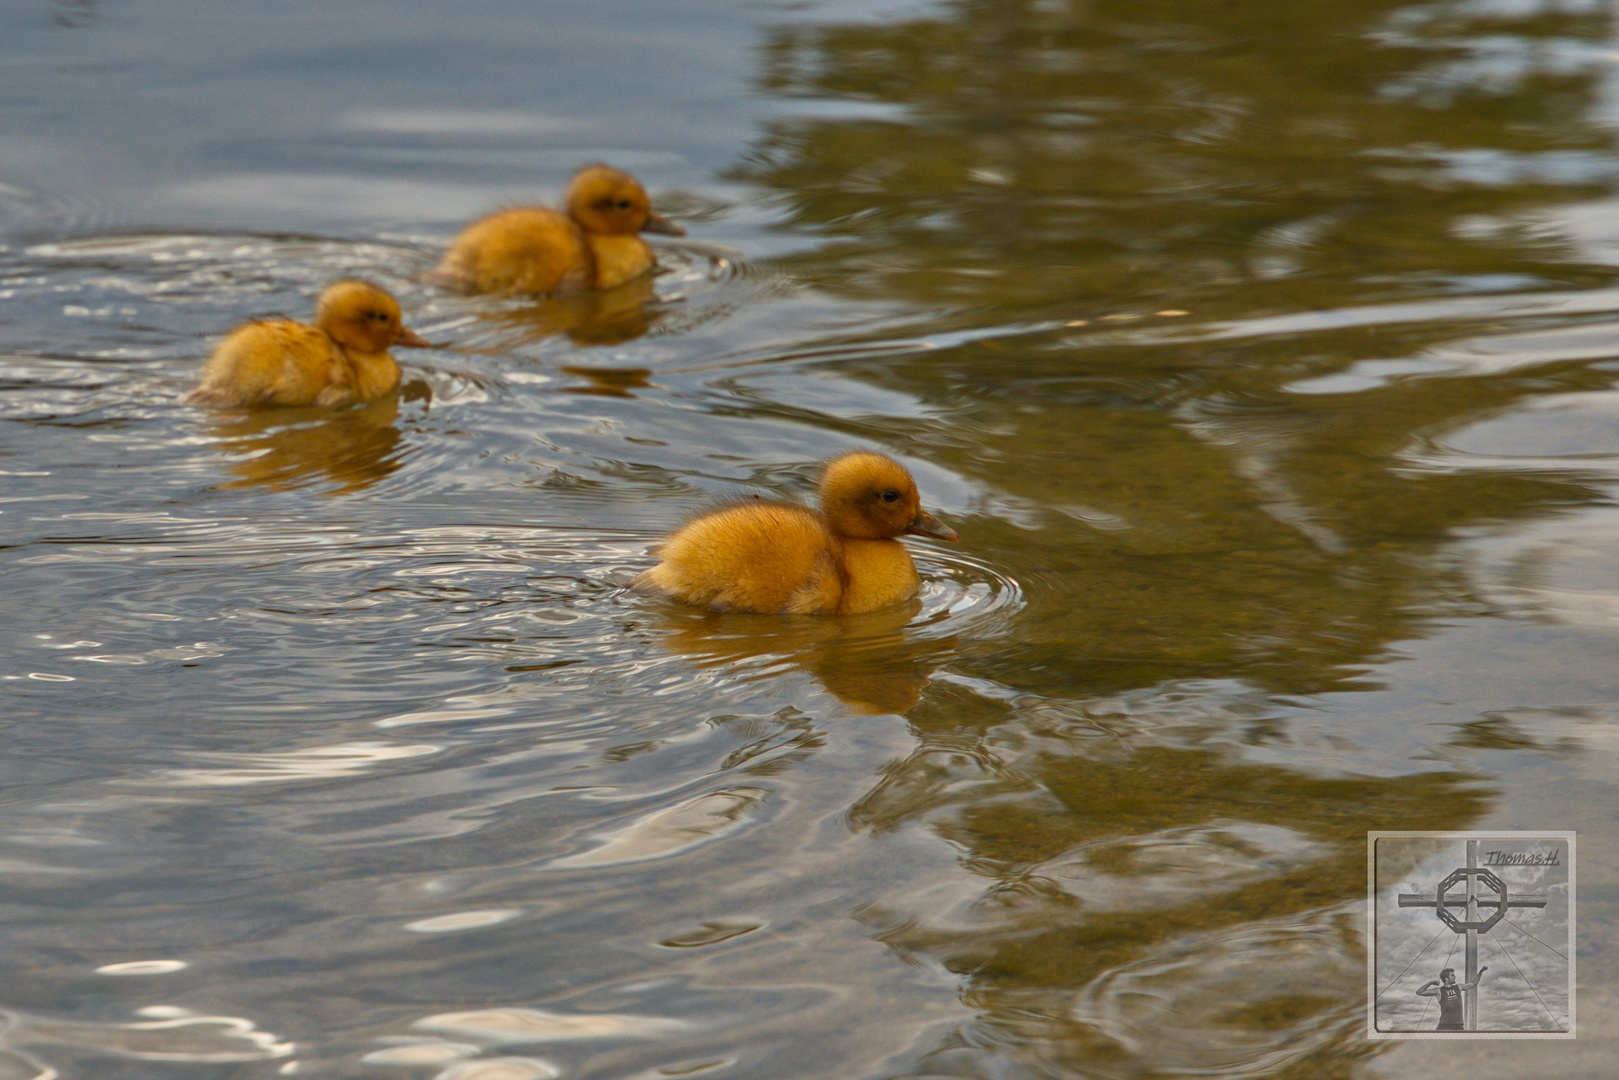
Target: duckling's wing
x,y
530,249
761,557
276,362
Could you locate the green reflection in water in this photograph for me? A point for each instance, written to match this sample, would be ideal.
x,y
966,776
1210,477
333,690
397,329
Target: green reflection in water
x,y
1047,157
1178,511
1081,212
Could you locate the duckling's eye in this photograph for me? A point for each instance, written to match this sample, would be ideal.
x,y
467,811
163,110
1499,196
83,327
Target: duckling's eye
x,y
890,495
623,204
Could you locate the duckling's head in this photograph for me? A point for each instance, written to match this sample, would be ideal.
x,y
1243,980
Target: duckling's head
x,y
866,496
362,317
608,202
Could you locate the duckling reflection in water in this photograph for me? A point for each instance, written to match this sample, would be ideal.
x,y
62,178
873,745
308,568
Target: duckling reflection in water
x,y
610,317
609,382
775,558
591,244
340,360
866,661
285,449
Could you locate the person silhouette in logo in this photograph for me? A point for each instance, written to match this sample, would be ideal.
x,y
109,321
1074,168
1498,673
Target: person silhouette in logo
x,y
1449,994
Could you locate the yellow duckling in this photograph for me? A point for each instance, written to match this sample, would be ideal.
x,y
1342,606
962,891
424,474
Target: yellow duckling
x,y
342,359
533,249
779,558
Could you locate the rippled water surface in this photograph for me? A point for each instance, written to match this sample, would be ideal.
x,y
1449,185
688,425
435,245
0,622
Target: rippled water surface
x,y
1264,355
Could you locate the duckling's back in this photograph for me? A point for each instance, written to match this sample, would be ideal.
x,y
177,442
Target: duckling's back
x,y
527,250
769,558
274,362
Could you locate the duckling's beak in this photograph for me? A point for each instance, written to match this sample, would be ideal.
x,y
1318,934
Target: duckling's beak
x,y
407,336
928,525
659,224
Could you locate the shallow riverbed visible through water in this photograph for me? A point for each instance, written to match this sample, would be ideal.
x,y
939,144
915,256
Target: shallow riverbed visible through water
x,y
1263,355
